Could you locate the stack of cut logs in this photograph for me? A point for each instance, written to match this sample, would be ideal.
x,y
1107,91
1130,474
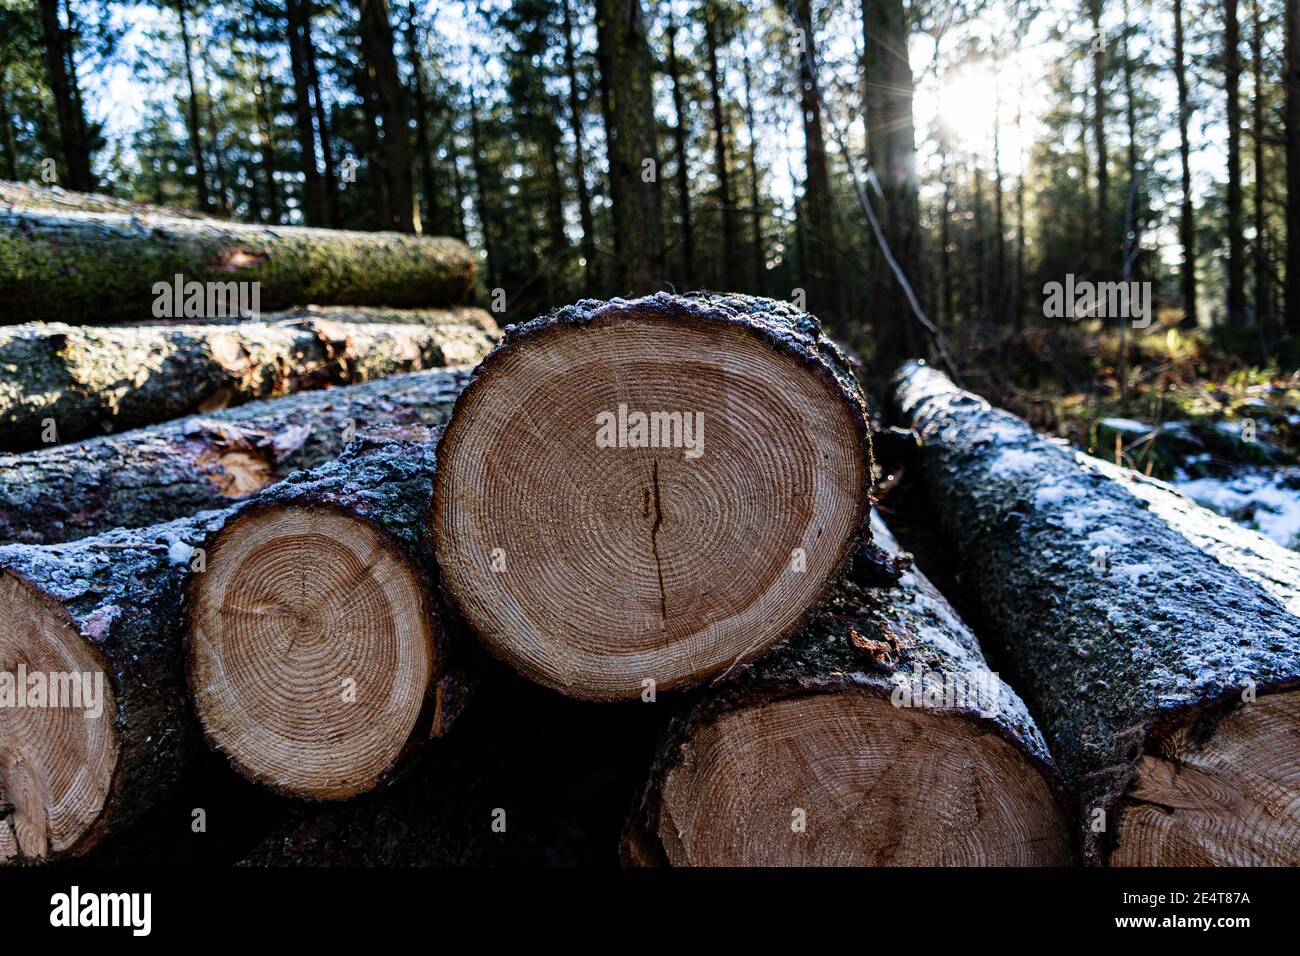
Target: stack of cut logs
x,y
293,545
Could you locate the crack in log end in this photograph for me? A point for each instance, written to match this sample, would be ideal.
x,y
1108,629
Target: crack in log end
x,y
654,542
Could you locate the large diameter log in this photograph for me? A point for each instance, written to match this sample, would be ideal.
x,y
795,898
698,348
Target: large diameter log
x,y
152,475
15,195
315,653
650,492
90,267
876,736
1165,678
65,382
98,625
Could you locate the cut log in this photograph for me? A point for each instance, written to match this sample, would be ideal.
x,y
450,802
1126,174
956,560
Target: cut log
x,y
114,741
15,195
315,654
100,268
1166,678
152,475
64,382
650,492
876,736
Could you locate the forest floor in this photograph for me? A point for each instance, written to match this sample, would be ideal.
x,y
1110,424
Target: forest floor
x,y
1178,405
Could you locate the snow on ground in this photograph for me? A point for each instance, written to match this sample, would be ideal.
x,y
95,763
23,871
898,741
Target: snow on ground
x,y
1260,498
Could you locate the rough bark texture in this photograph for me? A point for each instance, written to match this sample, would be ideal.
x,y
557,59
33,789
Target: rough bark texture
x,y
16,195
385,478
1118,627
88,380
123,593
869,638
102,267
151,475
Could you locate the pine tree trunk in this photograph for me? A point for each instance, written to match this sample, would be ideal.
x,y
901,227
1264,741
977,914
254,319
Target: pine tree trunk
x,y
720,166
315,651
579,493
192,115
67,99
826,295
683,172
103,268
377,48
424,147
1105,259
205,461
892,151
936,761
65,382
311,199
585,217
1236,299
627,73
1163,673
1186,219
1291,67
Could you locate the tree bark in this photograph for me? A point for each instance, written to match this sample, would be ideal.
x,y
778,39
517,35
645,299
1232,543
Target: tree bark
x,y
85,381
739,778
626,510
891,148
29,197
683,172
109,606
720,166
324,581
1186,220
1291,79
826,294
312,206
627,74
67,98
103,268
1104,257
377,48
1236,299
1160,673
156,474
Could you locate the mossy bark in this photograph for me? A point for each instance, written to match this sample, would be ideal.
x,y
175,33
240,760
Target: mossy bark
x,y
887,641
65,382
1116,624
151,475
123,593
101,268
15,195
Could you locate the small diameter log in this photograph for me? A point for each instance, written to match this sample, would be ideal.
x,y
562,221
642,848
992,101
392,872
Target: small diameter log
x,y
315,654
97,624
91,267
151,475
15,195
63,382
1164,677
877,736
650,491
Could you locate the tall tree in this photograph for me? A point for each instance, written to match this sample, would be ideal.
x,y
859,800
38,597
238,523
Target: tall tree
x,y
585,217
679,153
296,19
377,51
628,103
432,214
826,292
193,126
1231,89
755,194
59,57
1263,279
711,15
1187,220
891,149
1292,80
1095,9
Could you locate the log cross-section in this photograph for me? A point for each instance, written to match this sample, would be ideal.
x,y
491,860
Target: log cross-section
x,y
645,494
